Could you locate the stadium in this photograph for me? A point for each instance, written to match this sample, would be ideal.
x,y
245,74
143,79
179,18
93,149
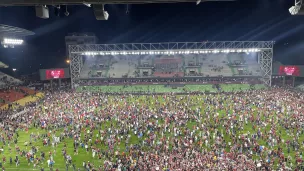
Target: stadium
x,y
173,106
199,106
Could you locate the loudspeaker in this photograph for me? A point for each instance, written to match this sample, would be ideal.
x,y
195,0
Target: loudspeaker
x,y
100,13
297,9
42,12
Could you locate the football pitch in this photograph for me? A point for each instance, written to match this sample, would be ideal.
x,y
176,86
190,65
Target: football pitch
x,y
198,104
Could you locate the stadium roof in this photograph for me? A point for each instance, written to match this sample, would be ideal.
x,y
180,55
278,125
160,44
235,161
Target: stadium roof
x,y
73,2
3,65
6,30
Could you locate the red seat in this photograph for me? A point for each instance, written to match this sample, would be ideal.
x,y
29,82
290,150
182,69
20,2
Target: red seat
x,y
28,90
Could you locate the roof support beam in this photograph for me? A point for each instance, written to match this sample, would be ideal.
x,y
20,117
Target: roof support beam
x,y
81,2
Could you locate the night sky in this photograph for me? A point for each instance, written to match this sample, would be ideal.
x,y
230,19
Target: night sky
x,y
243,20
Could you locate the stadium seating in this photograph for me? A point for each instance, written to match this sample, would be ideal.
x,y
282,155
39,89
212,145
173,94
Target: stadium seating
x,y
6,79
14,94
247,63
11,95
95,67
213,65
168,67
123,67
166,74
27,90
300,87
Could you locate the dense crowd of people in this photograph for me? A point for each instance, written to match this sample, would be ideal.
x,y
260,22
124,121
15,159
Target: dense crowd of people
x,y
251,130
177,80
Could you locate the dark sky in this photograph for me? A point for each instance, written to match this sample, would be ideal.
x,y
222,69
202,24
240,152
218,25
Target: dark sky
x,y
244,20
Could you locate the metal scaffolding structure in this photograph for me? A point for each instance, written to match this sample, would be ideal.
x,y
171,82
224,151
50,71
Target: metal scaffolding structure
x,y
81,2
265,53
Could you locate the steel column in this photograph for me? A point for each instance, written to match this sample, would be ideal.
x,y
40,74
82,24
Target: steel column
x,y
265,62
75,68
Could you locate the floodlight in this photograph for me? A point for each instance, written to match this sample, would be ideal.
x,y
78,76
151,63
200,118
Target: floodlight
x,y
297,9
100,13
9,41
88,5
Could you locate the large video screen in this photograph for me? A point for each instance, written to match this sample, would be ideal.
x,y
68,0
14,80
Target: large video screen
x,y
289,70
58,73
54,73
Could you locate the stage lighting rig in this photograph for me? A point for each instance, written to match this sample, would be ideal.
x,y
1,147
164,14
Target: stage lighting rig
x,y
66,11
297,9
57,10
88,5
127,10
100,13
11,43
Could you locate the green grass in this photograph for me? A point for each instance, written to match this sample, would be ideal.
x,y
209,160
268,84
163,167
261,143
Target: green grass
x,y
142,100
164,89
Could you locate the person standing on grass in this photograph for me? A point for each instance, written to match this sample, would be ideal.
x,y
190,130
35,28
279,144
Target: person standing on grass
x,y
11,160
17,162
84,165
4,159
74,167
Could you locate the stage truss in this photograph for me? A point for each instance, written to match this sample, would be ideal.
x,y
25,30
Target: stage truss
x,y
265,52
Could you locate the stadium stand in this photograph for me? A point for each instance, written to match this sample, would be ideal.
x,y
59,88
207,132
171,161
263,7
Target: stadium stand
x,y
244,64
300,87
11,89
3,65
213,65
96,67
13,93
8,80
168,67
123,67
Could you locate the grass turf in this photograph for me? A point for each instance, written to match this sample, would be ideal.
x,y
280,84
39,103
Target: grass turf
x,y
166,89
84,156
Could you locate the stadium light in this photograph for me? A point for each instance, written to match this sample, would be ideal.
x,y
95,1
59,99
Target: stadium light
x,y
12,41
8,42
297,9
172,52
